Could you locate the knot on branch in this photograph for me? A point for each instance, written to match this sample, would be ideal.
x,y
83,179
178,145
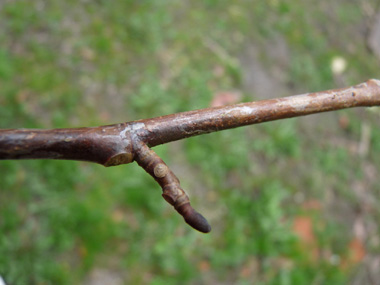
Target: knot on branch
x,y
172,191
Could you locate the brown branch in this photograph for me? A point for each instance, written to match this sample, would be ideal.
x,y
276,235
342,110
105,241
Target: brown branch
x,y
123,143
172,191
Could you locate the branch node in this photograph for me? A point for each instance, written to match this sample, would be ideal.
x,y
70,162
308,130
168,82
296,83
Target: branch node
x,y
118,159
160,170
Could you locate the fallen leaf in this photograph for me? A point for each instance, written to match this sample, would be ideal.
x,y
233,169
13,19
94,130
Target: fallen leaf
x,y
356,251
303,227
344,122
312,205
204,266
225,98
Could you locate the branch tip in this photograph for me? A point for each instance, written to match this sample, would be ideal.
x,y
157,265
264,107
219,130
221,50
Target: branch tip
x,y
193,218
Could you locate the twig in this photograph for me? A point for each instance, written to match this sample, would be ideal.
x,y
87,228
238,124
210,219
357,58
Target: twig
x,y
123,143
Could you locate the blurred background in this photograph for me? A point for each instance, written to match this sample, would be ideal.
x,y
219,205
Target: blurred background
x,y
290,202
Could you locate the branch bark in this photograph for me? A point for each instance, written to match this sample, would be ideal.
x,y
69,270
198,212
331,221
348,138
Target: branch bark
x,y
123,143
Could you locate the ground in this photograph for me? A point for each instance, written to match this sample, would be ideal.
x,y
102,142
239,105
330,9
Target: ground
x,y
290,202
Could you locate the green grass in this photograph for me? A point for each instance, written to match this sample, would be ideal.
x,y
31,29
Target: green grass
x,y
72,63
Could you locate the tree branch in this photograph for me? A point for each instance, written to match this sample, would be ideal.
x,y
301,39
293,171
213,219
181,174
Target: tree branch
x,y
123,143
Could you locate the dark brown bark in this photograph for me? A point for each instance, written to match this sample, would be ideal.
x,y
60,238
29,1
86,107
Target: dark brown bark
x,y
123,143
112,144
100,144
